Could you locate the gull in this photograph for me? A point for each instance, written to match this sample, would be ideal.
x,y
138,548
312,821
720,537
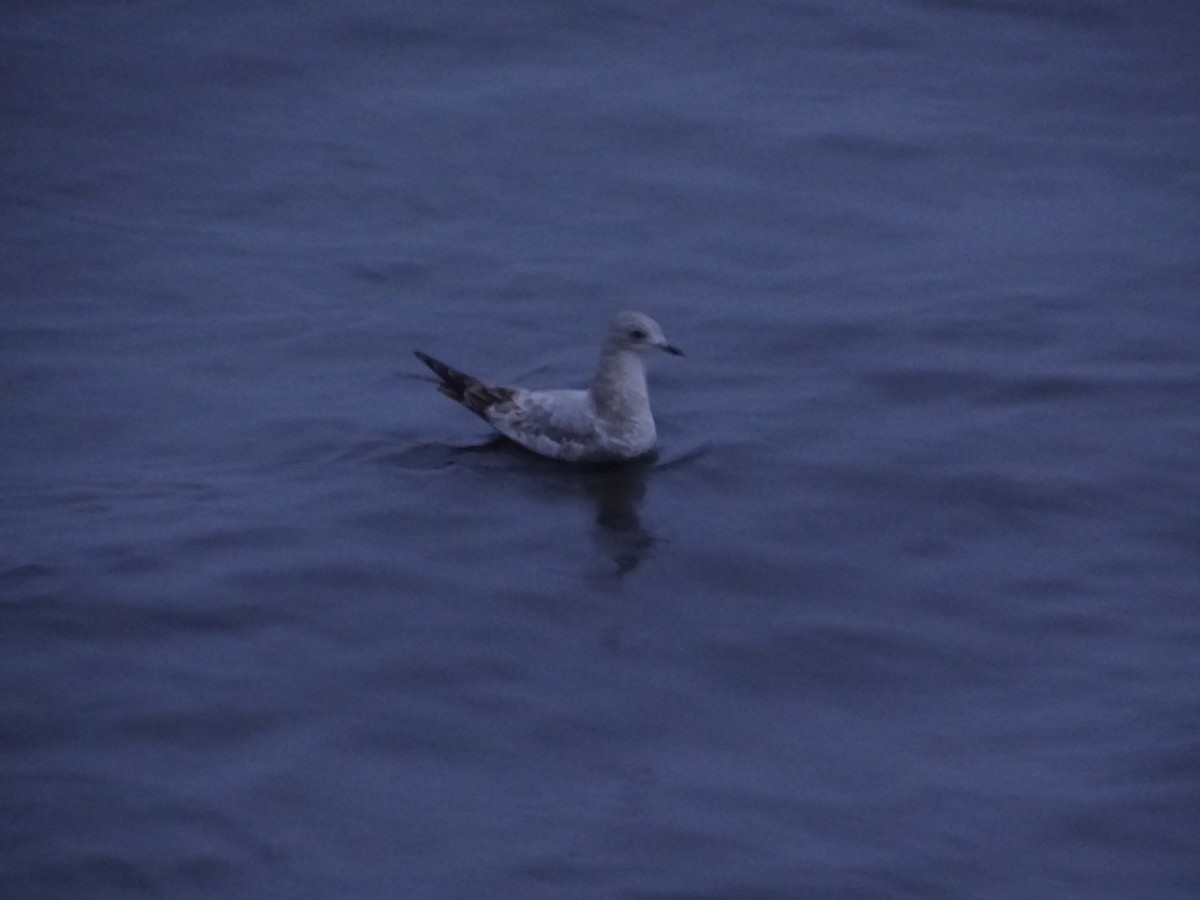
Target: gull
x,y
609,422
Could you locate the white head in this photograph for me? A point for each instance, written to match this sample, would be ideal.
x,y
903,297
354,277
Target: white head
x,y
637,332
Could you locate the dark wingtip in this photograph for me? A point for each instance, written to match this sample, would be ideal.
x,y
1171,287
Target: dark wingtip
x,y
440,369
436,364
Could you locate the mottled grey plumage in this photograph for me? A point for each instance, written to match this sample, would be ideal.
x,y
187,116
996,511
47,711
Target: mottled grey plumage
x,y
611,420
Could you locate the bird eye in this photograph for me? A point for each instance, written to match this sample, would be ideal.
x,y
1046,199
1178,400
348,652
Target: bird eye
x,y
637,334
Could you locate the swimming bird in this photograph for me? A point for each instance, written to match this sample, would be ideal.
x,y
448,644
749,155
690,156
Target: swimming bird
x,y
609,422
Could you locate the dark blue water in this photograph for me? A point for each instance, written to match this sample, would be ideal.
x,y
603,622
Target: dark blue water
x,y
907,606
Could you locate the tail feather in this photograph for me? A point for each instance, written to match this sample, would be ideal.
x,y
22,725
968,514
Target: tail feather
x,y
463,388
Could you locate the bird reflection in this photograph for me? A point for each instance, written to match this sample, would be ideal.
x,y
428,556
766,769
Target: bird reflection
x,y
616,489
618,492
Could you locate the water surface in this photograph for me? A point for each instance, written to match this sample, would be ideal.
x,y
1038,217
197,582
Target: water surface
x,y
906,605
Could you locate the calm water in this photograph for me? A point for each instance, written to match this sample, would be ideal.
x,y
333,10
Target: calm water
x,y
908,604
